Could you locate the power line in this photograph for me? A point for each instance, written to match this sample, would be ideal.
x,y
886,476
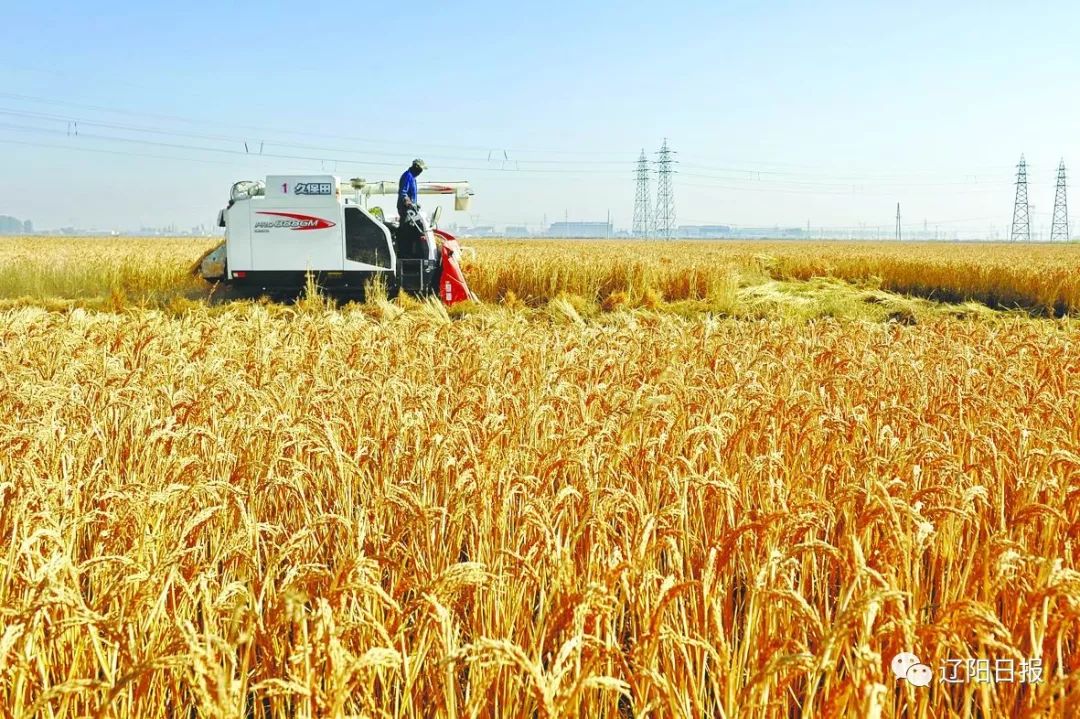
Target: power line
x,y
409,146
506,165
350,161
971,175
749,174
267,151
1059,225
78,144
362,164
837,183
501,156
867,191
120,153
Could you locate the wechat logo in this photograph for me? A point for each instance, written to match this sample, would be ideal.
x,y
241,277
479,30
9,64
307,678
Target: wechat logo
x,y
908,667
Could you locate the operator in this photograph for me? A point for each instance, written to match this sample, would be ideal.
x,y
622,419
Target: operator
x,y
406,198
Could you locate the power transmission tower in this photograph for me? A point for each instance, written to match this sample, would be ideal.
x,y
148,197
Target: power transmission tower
x,y
665,192
1059,228
1021,224
642,201
898,235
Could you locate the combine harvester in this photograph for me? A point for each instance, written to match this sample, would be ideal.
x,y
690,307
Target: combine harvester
x,y
278,233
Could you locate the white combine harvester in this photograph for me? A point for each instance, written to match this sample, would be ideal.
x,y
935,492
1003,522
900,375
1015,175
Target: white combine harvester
x,y
293,226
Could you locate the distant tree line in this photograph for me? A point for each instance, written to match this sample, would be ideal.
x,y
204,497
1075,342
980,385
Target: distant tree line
x,y
15,226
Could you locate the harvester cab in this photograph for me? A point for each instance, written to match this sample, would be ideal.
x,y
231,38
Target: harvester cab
x,y
279,232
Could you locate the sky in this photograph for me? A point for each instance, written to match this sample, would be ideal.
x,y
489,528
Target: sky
x,y
121,115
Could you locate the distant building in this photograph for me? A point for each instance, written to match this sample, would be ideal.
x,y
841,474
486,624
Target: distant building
x,y
517,231
480,231
763,233
703,231
12,226
745,233
28,227
580,229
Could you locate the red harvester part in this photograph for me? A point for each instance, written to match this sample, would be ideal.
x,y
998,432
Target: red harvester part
x,y
452,287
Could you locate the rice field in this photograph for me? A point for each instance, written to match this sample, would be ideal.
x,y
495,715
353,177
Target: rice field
x,y
728,480
1042,278
717,277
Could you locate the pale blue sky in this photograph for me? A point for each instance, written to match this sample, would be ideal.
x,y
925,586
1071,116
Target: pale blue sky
x,y
782,112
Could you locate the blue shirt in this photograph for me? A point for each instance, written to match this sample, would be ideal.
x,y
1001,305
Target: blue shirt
x,y
406,187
